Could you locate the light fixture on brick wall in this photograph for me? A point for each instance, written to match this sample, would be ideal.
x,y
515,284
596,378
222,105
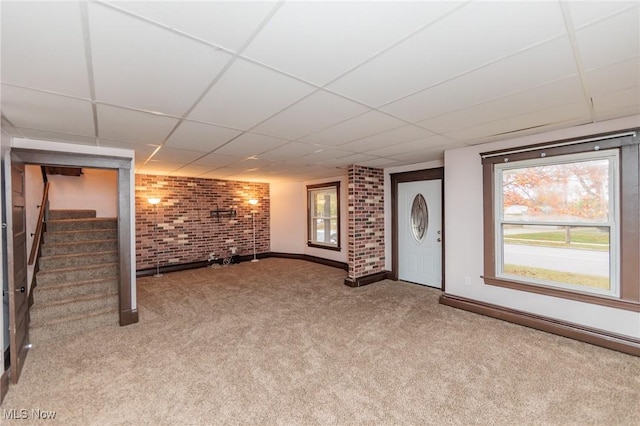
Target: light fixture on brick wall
x,y
154,202
254,203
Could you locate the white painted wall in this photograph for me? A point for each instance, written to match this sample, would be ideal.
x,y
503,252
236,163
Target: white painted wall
x,y
95,189
288,224
289,218
41,145
387,201
464,240
34,187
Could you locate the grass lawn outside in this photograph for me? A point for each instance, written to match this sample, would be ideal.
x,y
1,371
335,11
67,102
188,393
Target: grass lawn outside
x,y
592,281
588,238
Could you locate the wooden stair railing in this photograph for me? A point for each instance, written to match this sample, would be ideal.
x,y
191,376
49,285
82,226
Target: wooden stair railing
x,y
38,237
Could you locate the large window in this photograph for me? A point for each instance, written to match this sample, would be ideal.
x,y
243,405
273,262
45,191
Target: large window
x,y
323,206
562,219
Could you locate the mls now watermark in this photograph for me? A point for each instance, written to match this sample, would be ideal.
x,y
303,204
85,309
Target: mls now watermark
x,y
23,414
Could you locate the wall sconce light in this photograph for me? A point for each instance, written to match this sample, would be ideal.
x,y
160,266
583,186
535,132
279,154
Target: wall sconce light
x,y
254,202
154,201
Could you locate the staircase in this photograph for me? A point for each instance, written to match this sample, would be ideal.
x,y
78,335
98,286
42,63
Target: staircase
x,y
77,280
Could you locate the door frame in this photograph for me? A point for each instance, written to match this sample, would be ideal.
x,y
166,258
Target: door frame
x,y
413,176
123,165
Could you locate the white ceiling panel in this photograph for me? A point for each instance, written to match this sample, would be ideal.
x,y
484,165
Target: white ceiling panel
x,y
325,154
248,94
172,155
477,34
133,126
611,40
143,66
320,110
224,23
142,151
318,41
616,77
158,168
289,151
200,137
412,146
586,12
539,98
498,79
192,170
420,156
623,99
58,137
380,163
358,127
391,137
55,45
43,111
250,144
217,160
345,162
547,117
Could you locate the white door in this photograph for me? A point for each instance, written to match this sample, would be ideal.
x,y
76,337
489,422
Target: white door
x,y
420,232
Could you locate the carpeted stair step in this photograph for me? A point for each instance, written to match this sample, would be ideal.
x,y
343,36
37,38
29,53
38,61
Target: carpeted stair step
x,y
57,292
73,325
65,261
50,312
78,224
55,249
85,273
83,235
70,214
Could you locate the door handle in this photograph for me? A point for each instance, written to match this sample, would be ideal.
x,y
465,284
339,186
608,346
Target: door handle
x,y
21,289
438,240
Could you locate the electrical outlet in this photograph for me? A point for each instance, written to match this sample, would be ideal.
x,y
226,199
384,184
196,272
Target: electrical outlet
x,y
233,250
467,280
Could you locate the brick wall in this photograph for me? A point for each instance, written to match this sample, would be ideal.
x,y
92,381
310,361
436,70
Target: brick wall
x,y
185,231
365,221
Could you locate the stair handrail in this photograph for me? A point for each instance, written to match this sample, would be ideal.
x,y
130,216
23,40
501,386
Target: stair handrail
x,y
44,206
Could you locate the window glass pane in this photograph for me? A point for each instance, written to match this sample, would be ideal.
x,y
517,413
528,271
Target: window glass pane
x,y
324,216
571,192
572,256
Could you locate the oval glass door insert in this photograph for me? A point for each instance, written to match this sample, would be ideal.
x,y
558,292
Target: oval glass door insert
x,y
419,218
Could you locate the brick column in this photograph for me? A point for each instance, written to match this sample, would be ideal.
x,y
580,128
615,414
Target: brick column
x,y
365,225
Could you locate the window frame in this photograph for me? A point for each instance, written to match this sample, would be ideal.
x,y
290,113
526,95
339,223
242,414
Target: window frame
x,y
628,221
612,223
310,190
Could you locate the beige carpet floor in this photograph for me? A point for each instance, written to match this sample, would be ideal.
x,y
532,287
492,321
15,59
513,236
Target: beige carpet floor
x,y
284,342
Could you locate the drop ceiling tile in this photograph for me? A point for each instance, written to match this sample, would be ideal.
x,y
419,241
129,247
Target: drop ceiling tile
x,y
472,36
142,151
172,155
413,146
361,126
325,154
421,156
613,78
620,100
33,41
618,113
248,94
191,170
320,110
250,144
200,137
140,65
289,151
345,162
586,12
224,23
133,126
611,40
57,137
380,163
524,122
391,137
538,98
217,160
43,111
318,41
493,81
158,168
